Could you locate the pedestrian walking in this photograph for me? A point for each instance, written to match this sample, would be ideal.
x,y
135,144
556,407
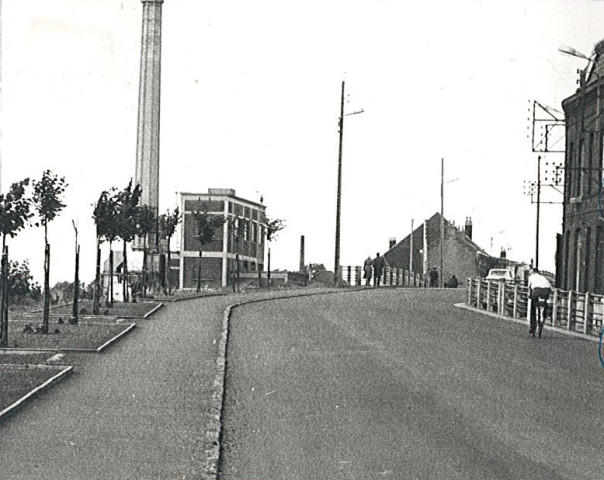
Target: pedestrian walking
x,y
433,275
368,270
378,266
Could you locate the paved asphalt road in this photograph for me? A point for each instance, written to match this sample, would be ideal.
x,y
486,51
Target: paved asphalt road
x,y
399,384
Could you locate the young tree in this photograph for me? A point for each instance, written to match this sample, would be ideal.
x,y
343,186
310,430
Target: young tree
x,y
21,284
104,217
127,221
145,225
205,231
273,227
48,204
15,211
167,227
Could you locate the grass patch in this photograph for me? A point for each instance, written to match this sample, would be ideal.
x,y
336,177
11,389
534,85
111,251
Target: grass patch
x,y
119,309
18,380
84,336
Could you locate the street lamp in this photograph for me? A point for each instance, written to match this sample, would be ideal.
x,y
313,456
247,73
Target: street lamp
x,y
339,192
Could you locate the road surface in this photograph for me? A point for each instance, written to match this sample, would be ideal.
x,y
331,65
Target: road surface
x,y
399,383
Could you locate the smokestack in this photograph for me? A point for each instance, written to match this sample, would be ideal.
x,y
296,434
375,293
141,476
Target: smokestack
x,y
302,253
503,255
468,228
391,242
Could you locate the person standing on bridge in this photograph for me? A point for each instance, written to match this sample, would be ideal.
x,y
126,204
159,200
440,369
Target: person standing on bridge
x,y
368,270
378,267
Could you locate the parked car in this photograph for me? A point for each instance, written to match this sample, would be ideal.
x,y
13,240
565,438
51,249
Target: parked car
x,y
500,274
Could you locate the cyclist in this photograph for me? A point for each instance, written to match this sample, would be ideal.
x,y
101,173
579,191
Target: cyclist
x,y
539,287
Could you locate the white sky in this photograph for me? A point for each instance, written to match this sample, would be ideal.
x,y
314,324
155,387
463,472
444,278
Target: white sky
x,y
251,98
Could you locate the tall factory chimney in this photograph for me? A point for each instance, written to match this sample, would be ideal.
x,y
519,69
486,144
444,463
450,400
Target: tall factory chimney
x,y
147,139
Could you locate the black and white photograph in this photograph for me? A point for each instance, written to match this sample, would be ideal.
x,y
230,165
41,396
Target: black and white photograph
x,y
285,240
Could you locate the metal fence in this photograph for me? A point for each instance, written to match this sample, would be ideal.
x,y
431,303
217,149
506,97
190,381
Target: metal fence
x,y
579,312
393,277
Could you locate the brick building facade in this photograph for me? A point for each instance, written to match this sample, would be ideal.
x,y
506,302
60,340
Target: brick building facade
x,y
239,243
420,251
580,254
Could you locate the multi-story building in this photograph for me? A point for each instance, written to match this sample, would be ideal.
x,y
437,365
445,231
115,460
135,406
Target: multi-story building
x,y
580,255
239,243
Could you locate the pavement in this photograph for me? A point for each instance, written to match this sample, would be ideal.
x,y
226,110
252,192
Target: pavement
x,y
147,408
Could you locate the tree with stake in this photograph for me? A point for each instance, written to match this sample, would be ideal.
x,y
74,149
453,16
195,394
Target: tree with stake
x,y
273,227
127,220
205,229
145,225
167,227
104,216
47,203
15,210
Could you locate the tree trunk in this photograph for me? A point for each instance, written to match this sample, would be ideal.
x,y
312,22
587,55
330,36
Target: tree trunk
x,y
268,271
4,295
144,272
76,287
97,281
168,270
125,294
110,299
46,314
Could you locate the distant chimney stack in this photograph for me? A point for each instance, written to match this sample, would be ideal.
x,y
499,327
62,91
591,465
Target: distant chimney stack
x,y
391,242
503,255
302,253
468,228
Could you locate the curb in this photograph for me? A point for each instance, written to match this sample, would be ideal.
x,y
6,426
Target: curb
x,y
64,371
215,431
100,349
524,322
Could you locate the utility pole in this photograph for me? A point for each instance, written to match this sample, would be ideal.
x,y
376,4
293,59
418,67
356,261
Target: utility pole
x,y
336,273
411,249
538,211
336,279
442,217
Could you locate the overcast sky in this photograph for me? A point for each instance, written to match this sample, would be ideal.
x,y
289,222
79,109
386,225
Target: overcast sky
x,y
251,98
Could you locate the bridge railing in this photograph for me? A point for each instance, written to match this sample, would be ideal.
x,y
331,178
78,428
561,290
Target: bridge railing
x,y
575,311
393,277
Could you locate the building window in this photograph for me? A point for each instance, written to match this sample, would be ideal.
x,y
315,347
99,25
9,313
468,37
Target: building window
x,y
587,281
590,163
581,169
569,174
578,256
598,266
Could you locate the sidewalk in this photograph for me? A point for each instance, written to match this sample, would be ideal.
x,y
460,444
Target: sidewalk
x,y
145,409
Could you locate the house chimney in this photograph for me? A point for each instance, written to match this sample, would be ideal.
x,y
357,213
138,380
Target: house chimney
x,y
503,255
301,253
391,242
468,228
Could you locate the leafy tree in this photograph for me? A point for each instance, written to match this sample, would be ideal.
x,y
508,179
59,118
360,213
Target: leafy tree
x,y
15,210
145,225
104,216
48,204
167,227
273,227
127,222
205,232
21,284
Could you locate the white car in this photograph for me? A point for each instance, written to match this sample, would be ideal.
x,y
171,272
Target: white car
x,y
500,274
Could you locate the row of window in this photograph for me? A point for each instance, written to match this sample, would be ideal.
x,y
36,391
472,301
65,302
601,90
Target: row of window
x,y
584,260
585,173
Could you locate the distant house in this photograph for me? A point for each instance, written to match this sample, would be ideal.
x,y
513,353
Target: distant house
x,y
420,251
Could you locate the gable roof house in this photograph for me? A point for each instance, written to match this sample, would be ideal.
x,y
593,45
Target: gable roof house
x,y
420,251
